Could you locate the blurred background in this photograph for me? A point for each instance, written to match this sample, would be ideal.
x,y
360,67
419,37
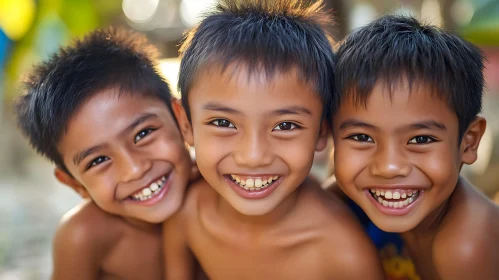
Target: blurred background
x,y
32,202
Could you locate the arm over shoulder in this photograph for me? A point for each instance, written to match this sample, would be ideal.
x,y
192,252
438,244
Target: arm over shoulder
x,y
80,245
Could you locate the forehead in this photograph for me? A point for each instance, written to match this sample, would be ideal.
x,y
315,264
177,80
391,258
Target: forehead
x,y
240,79
398,103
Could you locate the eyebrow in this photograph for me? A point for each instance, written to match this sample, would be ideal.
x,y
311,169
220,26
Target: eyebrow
x,y
431,125
428,125
353,123
292,110
213,106
78,158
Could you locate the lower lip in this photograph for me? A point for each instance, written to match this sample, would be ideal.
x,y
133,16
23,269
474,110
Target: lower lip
x,y
157,197
394,211
253,194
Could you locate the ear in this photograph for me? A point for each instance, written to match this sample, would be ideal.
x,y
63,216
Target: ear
x,y
183,122
471,140
323,136
71,182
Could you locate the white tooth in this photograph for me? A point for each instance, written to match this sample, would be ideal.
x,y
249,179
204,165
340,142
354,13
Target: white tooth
x,y
146,192
385,203
383,193
378,193
163,178
154,186
246,188
238,179
275,177
258,183
269,180
390,204
380,200
410,193
373,191
388,194
232,177
242,183
257,189
410,200
401,204
252,189
250,183
396,195
406,202
403,195
264,182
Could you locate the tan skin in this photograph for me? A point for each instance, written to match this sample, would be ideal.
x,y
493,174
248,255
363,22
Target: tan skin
x,y
253,126
408,141
137,143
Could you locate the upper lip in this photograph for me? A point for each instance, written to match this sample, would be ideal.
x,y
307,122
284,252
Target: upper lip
x,y
148,184
396,187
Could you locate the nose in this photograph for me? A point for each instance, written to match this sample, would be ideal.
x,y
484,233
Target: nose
x,y
253,151
133,166
388,162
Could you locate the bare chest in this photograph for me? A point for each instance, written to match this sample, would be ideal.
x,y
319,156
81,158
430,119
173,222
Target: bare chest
x,y
262,257
135,257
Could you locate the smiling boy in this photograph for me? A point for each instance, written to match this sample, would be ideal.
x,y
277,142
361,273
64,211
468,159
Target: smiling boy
x,y
255,78
101,112
406,122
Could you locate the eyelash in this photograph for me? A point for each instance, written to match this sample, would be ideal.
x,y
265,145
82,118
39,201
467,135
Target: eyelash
x,y
217,122
428,138
147,130
353,136
96,161
292,124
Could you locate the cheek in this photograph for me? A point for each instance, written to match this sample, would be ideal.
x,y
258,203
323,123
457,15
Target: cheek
x,y
348,162
440,166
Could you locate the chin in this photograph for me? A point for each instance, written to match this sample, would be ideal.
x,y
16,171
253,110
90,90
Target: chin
x,y
252,210
394,225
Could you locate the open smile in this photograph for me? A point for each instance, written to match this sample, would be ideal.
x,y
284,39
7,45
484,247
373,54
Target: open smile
x,y
153,192
394,201
253,187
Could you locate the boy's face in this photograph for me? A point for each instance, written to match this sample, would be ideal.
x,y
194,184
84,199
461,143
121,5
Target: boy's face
x,y
127,154
254,136
398,157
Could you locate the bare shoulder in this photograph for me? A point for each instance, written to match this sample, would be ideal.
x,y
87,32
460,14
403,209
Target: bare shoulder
x,y
89,228
197,193
466,243
345,245
83,239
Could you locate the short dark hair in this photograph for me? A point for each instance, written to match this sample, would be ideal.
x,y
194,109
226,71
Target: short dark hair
x,y
112,58
264,35
393,48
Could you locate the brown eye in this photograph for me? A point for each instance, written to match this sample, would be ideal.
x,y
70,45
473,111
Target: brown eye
x,y
361,138
421,139
142,134
285,126
223,123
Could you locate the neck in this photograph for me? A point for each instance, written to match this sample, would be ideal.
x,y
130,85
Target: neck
x,y
143,226
271,219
